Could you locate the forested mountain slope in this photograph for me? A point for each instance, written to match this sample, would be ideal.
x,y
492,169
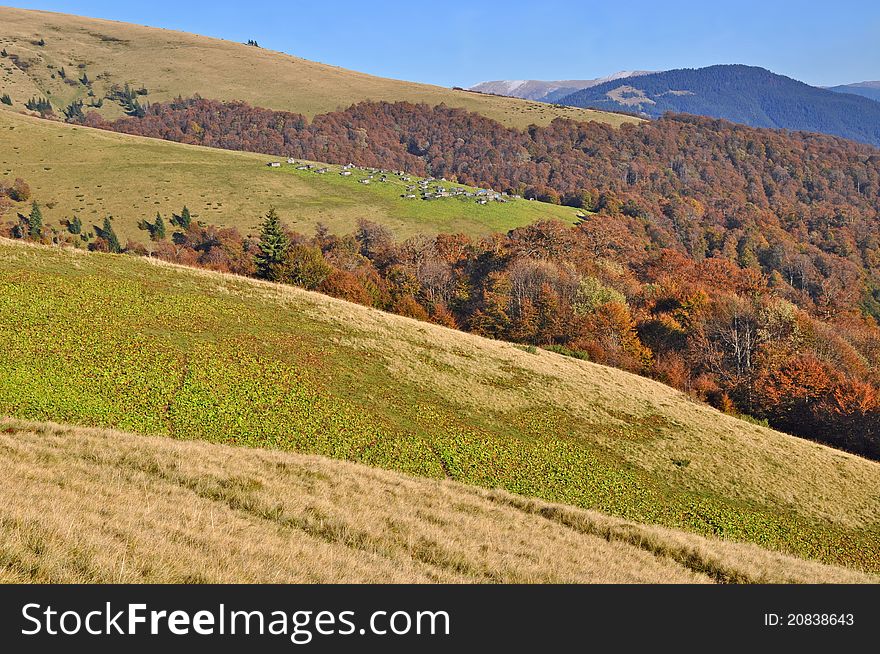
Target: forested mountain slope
x,y
743,94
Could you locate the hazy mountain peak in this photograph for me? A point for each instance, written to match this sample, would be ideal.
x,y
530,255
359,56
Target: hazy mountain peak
x,y
869,89
545,90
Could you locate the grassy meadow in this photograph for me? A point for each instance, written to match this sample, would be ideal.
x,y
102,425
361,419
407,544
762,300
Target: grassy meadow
x,y
93,506
169,63
92,173
117,341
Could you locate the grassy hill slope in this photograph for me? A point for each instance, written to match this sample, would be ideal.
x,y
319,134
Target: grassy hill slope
x,y
93,173
170,63
115,341
156,510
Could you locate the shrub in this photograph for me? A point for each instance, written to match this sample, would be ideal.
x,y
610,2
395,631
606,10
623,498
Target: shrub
x,y
568,352
20,191
592,294
345,286
762,422
41,105
74,226
304,266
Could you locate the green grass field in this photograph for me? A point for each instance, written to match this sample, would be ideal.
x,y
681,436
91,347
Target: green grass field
x,y
455,214
170,63
117,341
92,173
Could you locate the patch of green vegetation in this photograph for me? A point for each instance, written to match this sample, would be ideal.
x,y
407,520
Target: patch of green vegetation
x,y
567,351
113,341
761,422
456,214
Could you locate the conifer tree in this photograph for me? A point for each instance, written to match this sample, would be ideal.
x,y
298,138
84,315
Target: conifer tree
x,y
74,111
158,231
42,105
74,226
109,235
273,247
35,222
183,220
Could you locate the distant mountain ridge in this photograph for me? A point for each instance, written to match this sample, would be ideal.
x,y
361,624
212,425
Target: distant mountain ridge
x,y
743,94
547,91
865,89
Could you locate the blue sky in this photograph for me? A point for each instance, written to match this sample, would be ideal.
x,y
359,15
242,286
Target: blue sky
x,y
461,43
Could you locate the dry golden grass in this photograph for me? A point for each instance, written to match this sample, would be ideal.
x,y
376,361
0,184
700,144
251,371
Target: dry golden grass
x,y
173,63
727,455
87,505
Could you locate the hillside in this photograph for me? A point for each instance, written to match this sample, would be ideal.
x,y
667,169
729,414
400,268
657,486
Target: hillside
x,y
168,63
743,94
196,512
547,91
130,343
866,89
692,229
90,173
